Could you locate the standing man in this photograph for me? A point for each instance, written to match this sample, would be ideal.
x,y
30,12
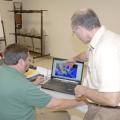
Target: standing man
x,y
101,86
18,96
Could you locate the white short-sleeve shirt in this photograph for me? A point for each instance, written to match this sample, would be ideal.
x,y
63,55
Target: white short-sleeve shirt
x,y
103,72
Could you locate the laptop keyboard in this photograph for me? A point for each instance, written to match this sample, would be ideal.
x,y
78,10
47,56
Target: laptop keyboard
x,y
60,86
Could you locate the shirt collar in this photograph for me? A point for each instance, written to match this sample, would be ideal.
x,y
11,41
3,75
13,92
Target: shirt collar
x,y
97,36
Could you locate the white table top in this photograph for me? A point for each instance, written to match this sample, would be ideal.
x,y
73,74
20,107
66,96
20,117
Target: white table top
x,y
47,73
63,95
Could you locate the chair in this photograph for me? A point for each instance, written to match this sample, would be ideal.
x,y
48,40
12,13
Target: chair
x,y
1,59
1,55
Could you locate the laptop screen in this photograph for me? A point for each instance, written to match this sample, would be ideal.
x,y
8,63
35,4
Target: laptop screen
x,y
63,71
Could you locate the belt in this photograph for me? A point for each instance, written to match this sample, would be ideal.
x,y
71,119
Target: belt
x,y
104,106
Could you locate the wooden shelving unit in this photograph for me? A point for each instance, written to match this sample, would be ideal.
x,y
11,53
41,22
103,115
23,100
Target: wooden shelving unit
x,y
18,12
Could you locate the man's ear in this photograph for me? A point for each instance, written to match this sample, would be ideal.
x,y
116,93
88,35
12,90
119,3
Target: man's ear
x,y
21,62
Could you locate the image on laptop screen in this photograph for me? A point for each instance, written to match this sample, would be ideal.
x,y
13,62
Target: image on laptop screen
x,y
63,70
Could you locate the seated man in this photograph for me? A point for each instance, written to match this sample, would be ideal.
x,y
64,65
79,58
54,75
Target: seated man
x,y
35,82
18,96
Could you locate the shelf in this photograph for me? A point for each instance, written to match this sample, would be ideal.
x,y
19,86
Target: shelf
x,y
18,12
28,35
27,11
2,39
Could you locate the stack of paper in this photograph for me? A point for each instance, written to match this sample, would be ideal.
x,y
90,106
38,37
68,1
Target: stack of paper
x,y
44,71
30,73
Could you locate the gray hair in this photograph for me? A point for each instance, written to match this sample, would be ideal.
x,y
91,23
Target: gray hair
x,y
13,53
86,18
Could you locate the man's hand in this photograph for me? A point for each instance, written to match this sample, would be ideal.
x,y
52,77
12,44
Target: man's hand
x,y
38,81
102,98
79,91
70,62
83,57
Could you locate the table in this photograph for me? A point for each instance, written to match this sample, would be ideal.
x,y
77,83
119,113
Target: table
x,y
47,74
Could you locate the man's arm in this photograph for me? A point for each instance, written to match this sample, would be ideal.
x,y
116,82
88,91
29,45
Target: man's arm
x,y
65,103
39,80
83,57
103,98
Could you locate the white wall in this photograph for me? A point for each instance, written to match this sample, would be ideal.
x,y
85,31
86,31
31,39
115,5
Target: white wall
x,y
57,25
7,17
57,21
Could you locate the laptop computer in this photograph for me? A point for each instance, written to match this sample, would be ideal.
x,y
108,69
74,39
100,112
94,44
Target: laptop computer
x,y
64,77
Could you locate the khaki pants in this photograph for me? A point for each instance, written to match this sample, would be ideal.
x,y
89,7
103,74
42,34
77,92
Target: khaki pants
x,y
102,113
55,115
